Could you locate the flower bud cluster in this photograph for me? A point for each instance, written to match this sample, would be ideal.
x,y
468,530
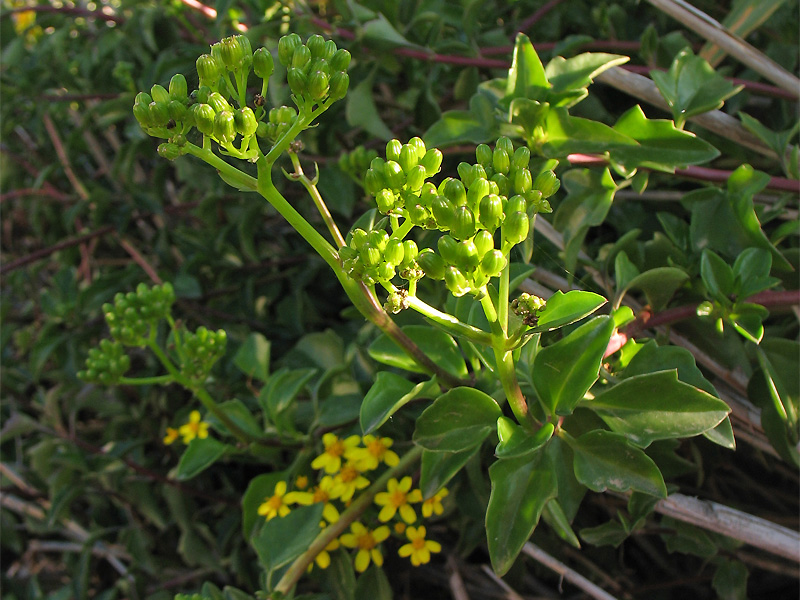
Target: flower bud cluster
x,y
375,257
316,70
356,163
132,315
279,120
201,350
105,364
528,308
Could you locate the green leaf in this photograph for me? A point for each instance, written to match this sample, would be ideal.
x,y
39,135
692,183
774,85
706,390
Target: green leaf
x,y
562,309
520,489
748,319
252,357
564,371
387,395
362,112
605,460
651,358
283,539
516,442
657,406
476,125
438,468
730,580
458,420
282,388
624,272
565,134
379,33
661,146
258,490
554,516
526,77
659,285
241,416
579,71
717,276
198,456
373,585
340,576
437,344
692,87
776,140
611,533
751,272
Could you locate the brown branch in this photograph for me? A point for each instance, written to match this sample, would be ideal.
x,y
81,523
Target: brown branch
x,y
49,193
45,252
536,16
63,158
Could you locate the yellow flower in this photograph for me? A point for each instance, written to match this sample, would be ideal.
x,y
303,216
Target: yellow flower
x,y
398,498
323,559
301,482
433,505
275,505
193,428
375,450
366,541
331,458
172,435
419,549
400,527
321,493
347,481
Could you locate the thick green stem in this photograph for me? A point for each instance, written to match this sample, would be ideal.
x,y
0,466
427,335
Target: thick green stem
x,y
156,380
507,374
450,323
402,231
312,190
330,533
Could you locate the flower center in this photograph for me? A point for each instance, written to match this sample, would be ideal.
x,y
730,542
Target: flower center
x,y
335,449
275,502
418,543
376,448
366,541
397,498
321,495
348,474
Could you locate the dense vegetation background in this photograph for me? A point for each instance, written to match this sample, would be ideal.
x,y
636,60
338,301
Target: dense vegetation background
x,y
90,504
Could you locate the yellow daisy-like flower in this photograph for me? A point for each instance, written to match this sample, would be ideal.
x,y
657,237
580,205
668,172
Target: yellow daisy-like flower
x,y
172,435
323,492
331,459
375,451
347,481
193,428
275,505
433,505
301,482
366,541
419,549
400,527
398,497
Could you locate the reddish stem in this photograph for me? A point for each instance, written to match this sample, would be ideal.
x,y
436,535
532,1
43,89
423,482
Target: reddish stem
x,y
530,21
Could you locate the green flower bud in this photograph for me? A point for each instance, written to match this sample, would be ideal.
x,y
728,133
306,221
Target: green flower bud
x,y
385,271
448,249
419,147
263,130
374,181
218,102
467,256
378,238
318,85
159,94
393,150
455,192
502,183
479,172
385,199
463,226
225,126
142,114
316,45
521,158
476,193
208,70
178,89
370,255
395,177
408,158
522,180
493,262
484,155
547,183
329,50
143,98
465,173
491,211
505,144
501,162
245,121
484,242
340,81
393,252
319,64
263,63
456,282
416,177
358,239
432,161
444,212
431,264
418,214
297,81
427,194
516,204
515,228
410,252
286,114
231,52
301,57
179,140
286,47
169,151
340,60
201,94
204,118
159,114
176,110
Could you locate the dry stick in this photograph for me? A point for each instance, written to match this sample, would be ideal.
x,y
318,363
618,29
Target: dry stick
x,y
510,593
45,252
63,158
728,521
732,44
457,587
715,121
570,575
140,260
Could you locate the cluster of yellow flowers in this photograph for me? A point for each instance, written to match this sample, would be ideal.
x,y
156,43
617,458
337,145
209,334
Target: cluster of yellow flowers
x,y
342,466
193,428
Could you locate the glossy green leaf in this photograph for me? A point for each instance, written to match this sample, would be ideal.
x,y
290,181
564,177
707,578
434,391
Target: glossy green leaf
x,y
554,516
282,388
661,145
579,71
437,344
692,87
464,126
252,358
611,533
748,319
562,309
515,441
457,420
373,585
751,272
566,134
652,357
258,490
778,141
717,276
389,394
520,489
730,580
340,577
241,416
362,112
526,77
438,468
608,461
564,371
624,272
722,434
659,285
658,406
380,33
198,456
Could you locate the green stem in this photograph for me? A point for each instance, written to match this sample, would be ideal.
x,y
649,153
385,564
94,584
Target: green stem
x,y
403,230
155,380
450,323
231,173
330,533
502,298
312,190
507,374
208,402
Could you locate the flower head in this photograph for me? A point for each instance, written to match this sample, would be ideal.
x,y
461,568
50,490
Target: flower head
x,y
172,435
433,505
323,492
347,481
398,497
331,458
366,541
375,451
275,505
418,548
193,428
